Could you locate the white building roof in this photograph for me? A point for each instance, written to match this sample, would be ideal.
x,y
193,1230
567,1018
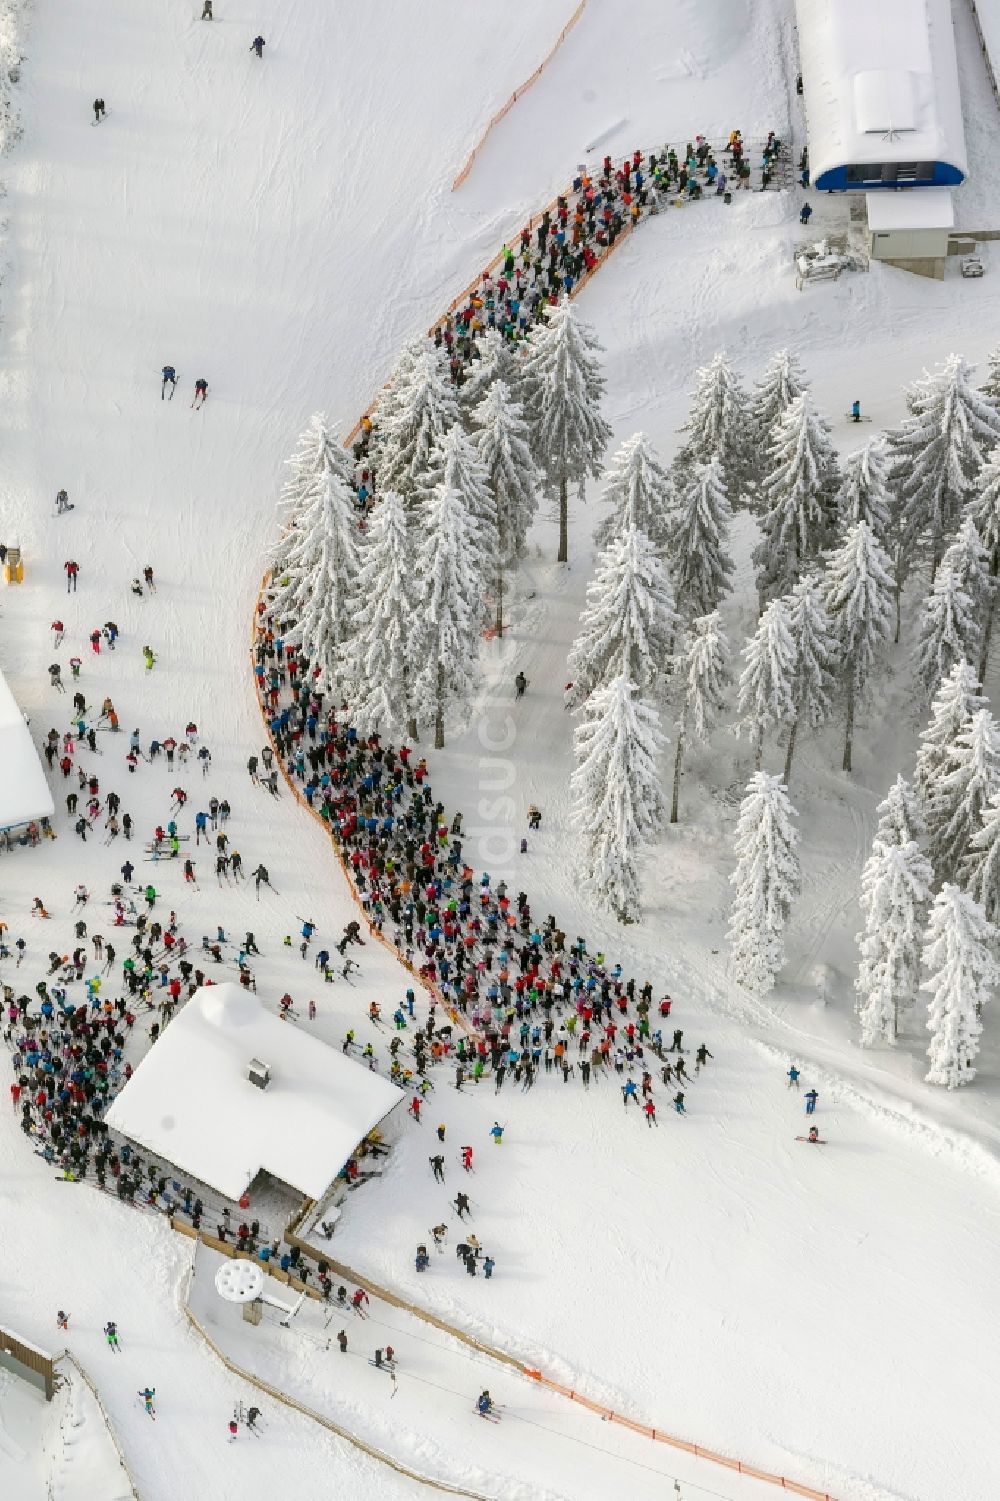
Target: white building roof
x,y
911,208
190,1100
880,82
24,792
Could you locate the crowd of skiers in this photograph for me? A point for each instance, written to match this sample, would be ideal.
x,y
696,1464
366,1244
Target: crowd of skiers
x,y
513,999
556,253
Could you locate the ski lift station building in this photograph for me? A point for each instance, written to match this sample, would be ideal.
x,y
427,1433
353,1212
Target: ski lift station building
x,y
229,1090
881,94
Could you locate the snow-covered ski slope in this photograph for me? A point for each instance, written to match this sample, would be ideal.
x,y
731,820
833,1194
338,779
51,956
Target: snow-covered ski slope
x,y
280,227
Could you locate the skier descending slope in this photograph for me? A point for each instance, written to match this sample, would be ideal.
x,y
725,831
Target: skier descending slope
x,y
169,379
257,45
200,394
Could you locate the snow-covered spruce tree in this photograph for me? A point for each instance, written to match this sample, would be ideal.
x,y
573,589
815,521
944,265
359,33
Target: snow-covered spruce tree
x,y
949,630
703,665
413,417
769,400
980,870
629,619
936,455
563,386
497,361
798,497
895,891
456,464
766,687
378,662
961,975
991,385
316,569
718,428
864,493
766,879
963,787
638,491
318,452
699,543
617,798
815,659
505,454
899,817
954,704
983,510
451,608
857,588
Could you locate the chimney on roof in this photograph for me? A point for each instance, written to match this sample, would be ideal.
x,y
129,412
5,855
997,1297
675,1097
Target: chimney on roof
x,y
258,1073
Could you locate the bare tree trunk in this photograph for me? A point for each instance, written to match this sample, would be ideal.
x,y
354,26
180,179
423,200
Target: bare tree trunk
x,y
677,770
758,749
849,737
791,743
439,714
499,616
411,727
984,655
563,521
899,607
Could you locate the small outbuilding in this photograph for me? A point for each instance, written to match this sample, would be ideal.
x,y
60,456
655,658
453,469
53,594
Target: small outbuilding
x,y
229,1090
911,229
24,790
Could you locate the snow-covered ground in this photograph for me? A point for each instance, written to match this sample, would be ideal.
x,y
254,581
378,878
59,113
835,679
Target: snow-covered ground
x,y
280,227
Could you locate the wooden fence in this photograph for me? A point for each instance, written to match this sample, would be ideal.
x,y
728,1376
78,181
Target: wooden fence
x,y
28,1362
287,1400
85,1376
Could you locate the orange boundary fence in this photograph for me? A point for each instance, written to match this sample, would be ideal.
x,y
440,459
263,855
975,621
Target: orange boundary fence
x,y
523,88
466,292
453,1012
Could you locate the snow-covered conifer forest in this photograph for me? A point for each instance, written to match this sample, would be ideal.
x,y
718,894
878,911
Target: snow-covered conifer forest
x,y
515,677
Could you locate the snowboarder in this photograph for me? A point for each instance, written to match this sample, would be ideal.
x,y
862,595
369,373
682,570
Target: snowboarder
x,y
206,11
62,503
855,411
99,111
257,45
200,394
169,379
811,1098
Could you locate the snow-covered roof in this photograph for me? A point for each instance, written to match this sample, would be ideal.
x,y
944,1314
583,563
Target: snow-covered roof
x,y
911,208
24,792
880,83
190,1100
